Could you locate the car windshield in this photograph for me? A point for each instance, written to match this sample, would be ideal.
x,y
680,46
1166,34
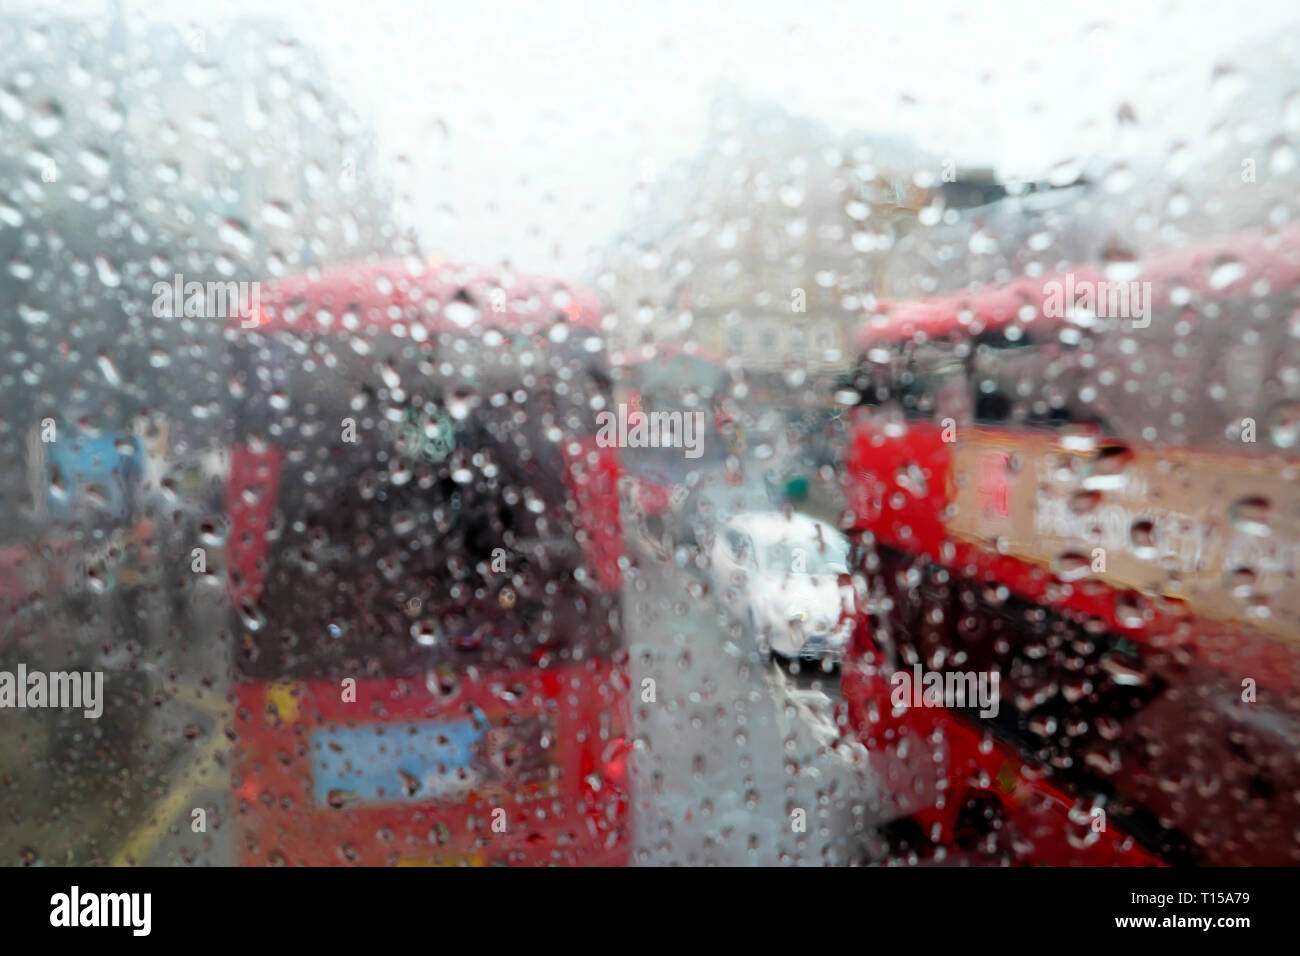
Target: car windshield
x,y
827,556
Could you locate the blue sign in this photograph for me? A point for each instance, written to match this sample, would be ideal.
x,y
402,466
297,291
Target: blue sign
x,y
84,462
393,763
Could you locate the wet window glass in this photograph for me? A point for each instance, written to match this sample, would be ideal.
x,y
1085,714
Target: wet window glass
x,y
681,435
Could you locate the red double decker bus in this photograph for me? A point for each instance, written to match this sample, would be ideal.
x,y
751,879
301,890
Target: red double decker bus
x,y
1102,509
423,558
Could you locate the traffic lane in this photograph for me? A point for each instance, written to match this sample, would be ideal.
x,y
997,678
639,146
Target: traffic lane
x,y
736,762
83,790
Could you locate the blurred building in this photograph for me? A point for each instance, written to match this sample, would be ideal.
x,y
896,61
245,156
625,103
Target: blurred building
x,y
270,160
1222,165
759,248
135,151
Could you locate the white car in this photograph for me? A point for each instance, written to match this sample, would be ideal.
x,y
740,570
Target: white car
x,y
790,575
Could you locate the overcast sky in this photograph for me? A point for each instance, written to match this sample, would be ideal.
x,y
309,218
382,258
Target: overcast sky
x,y
527,124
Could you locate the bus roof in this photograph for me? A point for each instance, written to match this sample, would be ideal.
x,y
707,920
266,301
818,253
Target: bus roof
x,y
1214,270
438,296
